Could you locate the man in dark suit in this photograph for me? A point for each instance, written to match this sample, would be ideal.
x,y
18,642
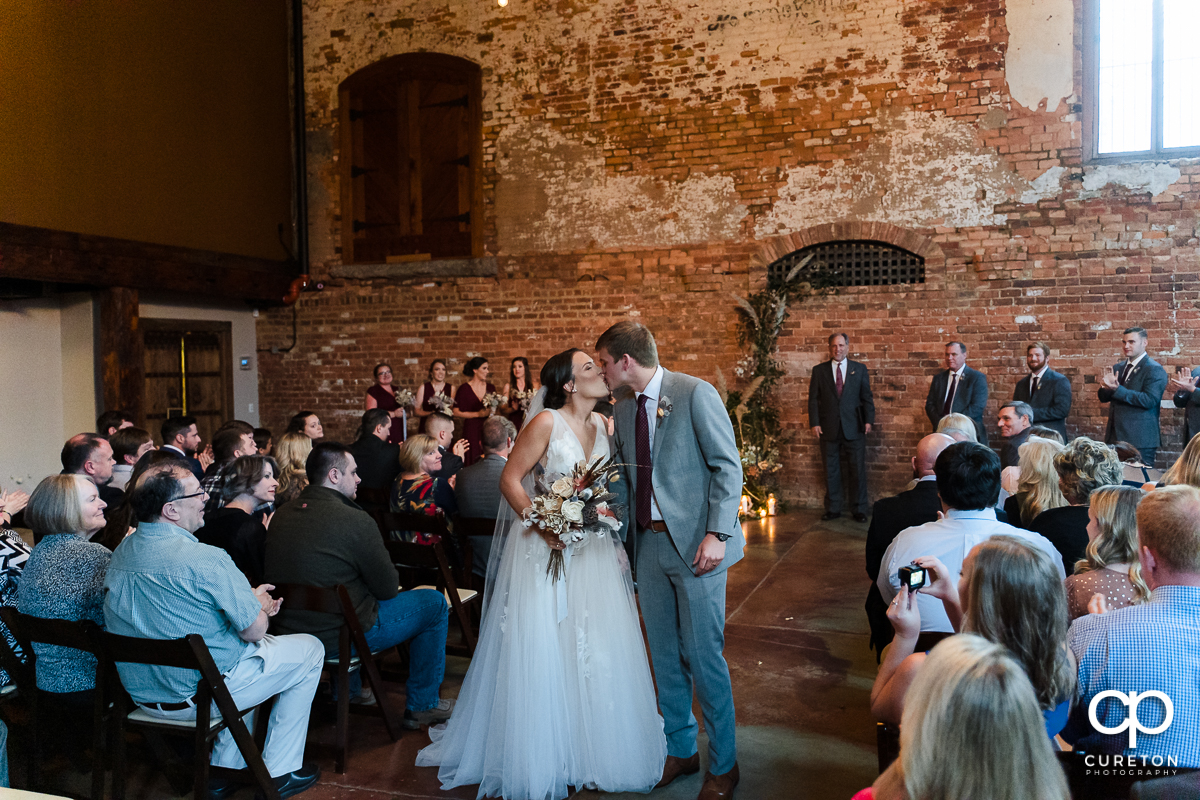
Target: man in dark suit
x,y
1134,390
378,462
959,389
179,436
1187,396
891,515
1047,392
841,412
441,428
1015,427
477,488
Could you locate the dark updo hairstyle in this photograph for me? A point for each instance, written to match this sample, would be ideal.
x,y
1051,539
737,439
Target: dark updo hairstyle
x,y
474,364
434,363
558,371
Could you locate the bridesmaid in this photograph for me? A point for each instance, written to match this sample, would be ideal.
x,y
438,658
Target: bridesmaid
x,y
435,385
468,406
518,381
383,395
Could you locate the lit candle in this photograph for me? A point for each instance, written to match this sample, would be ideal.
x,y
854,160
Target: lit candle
x,y
771,504
762,512
746,504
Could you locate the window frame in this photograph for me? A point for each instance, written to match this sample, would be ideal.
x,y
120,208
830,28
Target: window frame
x,y
815,250
1091,95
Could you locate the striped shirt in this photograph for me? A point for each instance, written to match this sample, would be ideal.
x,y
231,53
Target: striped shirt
x,y
164,584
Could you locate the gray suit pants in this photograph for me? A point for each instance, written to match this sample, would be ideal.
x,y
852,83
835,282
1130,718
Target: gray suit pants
x,y
685,624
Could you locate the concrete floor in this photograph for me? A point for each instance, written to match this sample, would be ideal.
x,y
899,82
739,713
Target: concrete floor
x,y
796,643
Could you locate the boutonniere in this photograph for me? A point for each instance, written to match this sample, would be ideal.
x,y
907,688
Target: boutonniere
x,y
664,407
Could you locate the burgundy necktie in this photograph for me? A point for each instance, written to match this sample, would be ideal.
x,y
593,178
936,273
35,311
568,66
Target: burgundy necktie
x,y
949,405
1032,385
837,381
645,470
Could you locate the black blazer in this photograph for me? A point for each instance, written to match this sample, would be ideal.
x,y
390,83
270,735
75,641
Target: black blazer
x,y
451,464
1051,404
844,415
378,462
970,399
1191,402
1066,529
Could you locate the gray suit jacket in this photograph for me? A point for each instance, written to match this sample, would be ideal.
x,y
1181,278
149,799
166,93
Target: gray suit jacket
x,y
477,488
1134,410
1052,401
697,471
845,415
1191,417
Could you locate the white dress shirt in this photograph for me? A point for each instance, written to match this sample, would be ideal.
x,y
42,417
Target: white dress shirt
x,y
653,392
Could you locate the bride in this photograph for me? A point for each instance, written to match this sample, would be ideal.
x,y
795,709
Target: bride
x,y
559,692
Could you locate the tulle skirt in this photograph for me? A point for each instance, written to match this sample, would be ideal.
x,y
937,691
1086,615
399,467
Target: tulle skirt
x,y
548,704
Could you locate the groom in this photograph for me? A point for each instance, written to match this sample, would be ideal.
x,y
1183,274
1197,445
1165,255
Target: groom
x,y
685,480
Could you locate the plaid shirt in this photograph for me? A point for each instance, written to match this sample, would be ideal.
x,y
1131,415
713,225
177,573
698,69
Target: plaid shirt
x,y
1153,646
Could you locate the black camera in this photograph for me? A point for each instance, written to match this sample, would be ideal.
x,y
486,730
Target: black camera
x,y
913,576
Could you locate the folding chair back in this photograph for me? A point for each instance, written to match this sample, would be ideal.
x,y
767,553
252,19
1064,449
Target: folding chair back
x,y
414,559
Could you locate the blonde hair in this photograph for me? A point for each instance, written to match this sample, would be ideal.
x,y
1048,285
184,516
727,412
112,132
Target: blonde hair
x,y
1115,510
291,453
1186,469
1168,521
1015,598
1038,489
970,720
56,505
958,422
414,451
1085,465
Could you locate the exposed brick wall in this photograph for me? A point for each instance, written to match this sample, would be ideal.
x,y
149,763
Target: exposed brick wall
x,y
650,159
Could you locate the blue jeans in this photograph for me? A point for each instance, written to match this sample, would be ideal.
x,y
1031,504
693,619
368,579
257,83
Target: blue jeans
x,y
419,617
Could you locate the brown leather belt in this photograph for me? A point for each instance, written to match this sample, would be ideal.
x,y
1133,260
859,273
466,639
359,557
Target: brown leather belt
x,y
658,526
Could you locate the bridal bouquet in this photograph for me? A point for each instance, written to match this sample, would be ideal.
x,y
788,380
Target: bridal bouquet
x,y
574,506
404,398
493,400
442,403
523,399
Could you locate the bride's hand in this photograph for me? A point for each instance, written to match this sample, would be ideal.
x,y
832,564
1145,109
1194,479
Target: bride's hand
x,y
552,540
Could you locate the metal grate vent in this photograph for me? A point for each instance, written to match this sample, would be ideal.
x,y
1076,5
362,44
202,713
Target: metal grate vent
x,y
858,263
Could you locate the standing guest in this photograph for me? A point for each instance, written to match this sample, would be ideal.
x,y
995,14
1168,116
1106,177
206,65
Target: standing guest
x,y
841,412
291,456
891,515
416,491
441,429
164,584
247,485
469,407
1109,576
382,395
959,388
434,386
110,422
1135,472
1134,390
958,427
1187,397
1047,392
477,487
518,390
229,444
128,445
13,554
91,456
262,441
1186,469
378,459
1149,645
179,434
1083,466
1037,489
1015,423
308,423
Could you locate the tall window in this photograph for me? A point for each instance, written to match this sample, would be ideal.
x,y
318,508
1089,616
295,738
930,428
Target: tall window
x,y
411,147
1142,79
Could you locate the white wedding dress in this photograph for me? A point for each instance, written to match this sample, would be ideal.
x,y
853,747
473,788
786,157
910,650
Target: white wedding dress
x,y
548,704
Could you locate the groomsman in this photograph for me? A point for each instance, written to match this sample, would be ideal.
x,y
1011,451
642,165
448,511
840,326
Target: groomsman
x,y
841,411
1187,396
1134,388
1047,392
959,389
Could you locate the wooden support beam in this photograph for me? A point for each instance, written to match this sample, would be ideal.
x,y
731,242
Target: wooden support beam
x,y
122,364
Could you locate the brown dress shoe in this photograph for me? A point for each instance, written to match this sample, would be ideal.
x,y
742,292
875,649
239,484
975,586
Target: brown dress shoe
x,y
719,787
677,766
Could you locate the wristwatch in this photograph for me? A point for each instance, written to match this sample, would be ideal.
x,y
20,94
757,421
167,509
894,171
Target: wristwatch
x,y
721,537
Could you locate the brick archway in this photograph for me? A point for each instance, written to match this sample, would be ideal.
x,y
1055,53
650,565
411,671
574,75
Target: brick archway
x,y
771,250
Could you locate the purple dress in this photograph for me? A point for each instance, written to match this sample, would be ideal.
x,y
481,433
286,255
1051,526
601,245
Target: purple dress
x,y
428,392
517,418
466,400
386,401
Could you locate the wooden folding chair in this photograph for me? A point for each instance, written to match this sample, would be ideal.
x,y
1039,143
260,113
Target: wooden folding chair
x,y
373,501
336,600
436,525
464,529
189,653
85,636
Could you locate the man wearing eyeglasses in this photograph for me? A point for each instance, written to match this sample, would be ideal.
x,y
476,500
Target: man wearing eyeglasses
x,y
162,583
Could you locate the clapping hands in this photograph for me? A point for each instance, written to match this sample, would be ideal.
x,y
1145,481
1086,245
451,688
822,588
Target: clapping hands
x,y
269,604
13,502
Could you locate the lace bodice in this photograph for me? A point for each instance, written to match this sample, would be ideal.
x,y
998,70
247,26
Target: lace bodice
x,y
565,450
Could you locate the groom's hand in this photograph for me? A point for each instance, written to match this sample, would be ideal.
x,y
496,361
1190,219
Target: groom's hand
x,y
709,555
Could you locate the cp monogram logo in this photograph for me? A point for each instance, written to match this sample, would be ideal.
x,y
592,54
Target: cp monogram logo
x,y
1132,722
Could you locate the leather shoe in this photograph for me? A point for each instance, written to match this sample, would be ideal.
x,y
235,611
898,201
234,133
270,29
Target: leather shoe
x,y
860,517
221,788
677,766
296,782
828,515
719,787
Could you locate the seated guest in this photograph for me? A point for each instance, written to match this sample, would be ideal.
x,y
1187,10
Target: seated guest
x,y
968,482
179,435
1083,466
247,485
163,584
1109,573
441,428
416,491
91,456
1135,472
378,462
291,454
128,445
326,540
110,422
1009,593
1153,645
1047,433
971,730
959,427
308,423
1037,487
230,443
239,425
120,520
13,554
262,440
11,504
915,506
477,487
1186,469
64,579
1015,422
